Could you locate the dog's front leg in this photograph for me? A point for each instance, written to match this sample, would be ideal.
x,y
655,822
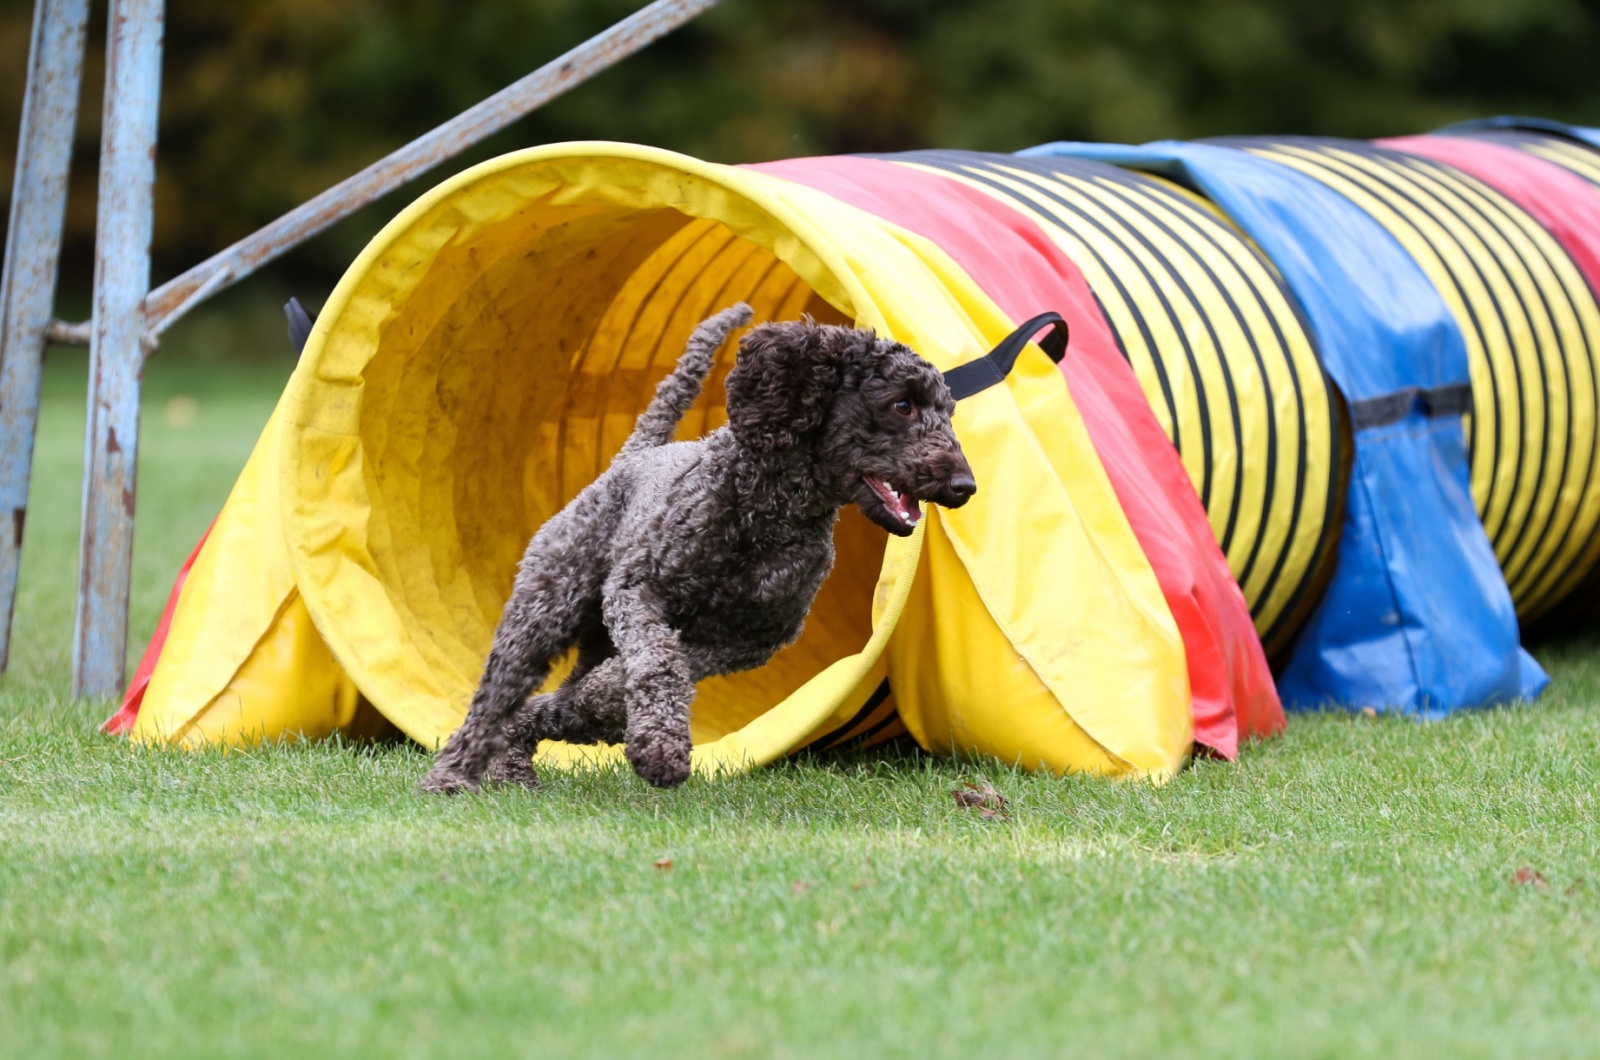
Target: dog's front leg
x,y
658,690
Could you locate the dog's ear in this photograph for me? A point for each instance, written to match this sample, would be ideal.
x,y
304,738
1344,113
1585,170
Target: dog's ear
x,y
783,383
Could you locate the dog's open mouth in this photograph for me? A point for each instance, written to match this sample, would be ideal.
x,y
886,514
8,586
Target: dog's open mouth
x,y
900,506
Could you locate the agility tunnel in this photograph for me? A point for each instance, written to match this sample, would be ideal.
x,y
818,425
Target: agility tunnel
x,y
1257,431
484,357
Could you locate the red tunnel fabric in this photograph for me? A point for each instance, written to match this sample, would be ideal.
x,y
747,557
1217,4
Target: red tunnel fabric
x,y
122,721
1012,260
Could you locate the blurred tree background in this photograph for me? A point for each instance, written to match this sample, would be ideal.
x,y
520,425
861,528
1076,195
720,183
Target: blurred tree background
x,y
266,102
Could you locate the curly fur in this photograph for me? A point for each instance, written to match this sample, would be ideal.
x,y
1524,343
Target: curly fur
x,y
690,559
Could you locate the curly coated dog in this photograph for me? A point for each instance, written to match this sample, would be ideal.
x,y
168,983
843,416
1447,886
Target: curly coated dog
x,y
691,559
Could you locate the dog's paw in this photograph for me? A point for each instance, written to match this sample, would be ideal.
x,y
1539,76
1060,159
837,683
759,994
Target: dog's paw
x,y
659,764
442,780
513,768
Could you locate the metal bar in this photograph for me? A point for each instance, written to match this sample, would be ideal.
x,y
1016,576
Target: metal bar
x,y
123,222
33,251
217,281
64,334
169,300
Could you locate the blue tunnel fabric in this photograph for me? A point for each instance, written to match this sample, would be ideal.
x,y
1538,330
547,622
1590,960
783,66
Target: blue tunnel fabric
x,y
1417,617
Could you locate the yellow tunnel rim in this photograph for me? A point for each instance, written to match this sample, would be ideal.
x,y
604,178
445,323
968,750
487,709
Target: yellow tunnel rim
x,y
757,742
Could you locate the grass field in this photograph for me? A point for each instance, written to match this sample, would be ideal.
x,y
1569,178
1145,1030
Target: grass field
x,y
1350,889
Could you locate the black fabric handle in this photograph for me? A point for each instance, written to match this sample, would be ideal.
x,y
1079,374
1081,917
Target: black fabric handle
x,y
974,377
299,324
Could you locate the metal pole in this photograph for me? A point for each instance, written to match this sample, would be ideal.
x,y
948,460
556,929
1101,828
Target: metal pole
x,y
33,250
123,223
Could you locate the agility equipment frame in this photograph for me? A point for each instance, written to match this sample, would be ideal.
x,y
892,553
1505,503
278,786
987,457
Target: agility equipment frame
x,y
128,317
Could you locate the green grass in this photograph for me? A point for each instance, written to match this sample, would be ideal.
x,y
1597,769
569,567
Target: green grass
x,y
1345,890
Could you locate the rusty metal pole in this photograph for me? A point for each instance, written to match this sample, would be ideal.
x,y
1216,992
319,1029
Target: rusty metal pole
x,y
33,250
123,222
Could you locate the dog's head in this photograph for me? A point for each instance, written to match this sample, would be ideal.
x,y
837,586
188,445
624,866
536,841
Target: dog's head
x,y
873,414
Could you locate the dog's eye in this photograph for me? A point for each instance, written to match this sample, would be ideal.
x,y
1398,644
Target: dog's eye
x,y
903,407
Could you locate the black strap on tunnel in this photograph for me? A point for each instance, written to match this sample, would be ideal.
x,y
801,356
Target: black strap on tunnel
x,y
1453,399
977,376
299,324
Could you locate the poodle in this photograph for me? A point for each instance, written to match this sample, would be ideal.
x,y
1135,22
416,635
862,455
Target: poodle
x,y
686,560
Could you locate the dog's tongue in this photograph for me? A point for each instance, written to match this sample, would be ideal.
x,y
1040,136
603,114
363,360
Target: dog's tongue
x,y
904,509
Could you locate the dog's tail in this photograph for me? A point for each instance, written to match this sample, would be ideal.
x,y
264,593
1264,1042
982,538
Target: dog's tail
x,y
679,390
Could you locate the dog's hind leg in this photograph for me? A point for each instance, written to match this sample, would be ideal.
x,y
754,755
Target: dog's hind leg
x,y
587,708
658,689
530,635
553,600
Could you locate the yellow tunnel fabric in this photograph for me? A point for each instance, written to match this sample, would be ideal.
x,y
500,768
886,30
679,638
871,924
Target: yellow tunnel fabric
x,y
1532,331
485,356
241,630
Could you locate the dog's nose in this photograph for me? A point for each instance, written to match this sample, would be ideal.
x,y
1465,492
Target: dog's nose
x,y
963,486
